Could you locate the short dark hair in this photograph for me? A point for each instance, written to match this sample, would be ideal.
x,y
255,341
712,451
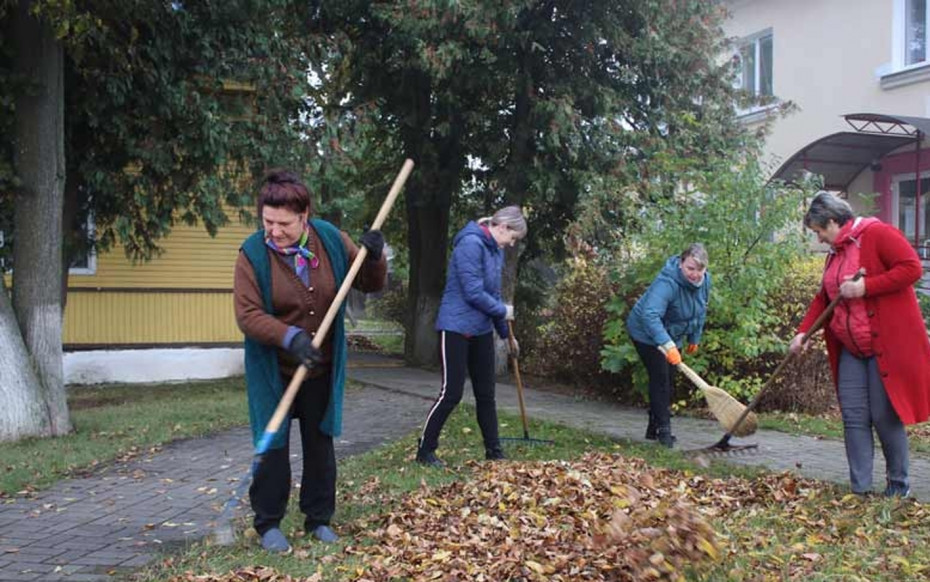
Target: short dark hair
x,y
826,207
283,189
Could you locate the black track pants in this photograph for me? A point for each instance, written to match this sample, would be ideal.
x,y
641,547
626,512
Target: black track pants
x,y
460,354
660,382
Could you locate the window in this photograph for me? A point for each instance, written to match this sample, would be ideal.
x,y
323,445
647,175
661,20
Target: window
x,y
84,263
915,32
754,62
905,207
85,259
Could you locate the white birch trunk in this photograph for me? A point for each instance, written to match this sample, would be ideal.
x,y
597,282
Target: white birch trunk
x,y
40,164
22,413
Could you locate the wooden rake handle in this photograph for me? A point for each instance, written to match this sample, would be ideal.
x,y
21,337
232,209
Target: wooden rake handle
x,y
287,399
516,373
814,328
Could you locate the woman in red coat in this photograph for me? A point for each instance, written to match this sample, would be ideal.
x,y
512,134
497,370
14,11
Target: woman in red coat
x,y
876,339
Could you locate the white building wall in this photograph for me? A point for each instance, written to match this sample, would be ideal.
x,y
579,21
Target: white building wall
x,y
826,59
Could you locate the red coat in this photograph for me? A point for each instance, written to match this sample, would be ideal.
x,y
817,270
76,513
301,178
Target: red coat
x,y
899,338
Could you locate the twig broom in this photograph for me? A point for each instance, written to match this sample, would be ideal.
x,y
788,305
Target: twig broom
x,y
725,408
223,533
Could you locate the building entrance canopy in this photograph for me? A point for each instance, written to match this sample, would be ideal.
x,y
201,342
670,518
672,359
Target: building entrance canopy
x,y
842,156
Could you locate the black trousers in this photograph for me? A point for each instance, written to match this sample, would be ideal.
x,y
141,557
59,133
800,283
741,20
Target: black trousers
x,y
271,484
476,356
660,382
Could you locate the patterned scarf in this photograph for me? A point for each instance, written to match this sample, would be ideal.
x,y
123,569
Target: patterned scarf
x,y
303,257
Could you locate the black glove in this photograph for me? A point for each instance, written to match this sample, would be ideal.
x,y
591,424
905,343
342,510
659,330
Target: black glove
x,y
373,240
302,349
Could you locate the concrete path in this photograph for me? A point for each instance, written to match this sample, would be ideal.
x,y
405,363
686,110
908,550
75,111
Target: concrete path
x,y
104,525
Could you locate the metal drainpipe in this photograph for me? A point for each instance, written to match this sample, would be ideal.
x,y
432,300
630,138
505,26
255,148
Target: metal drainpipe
x,y
917,196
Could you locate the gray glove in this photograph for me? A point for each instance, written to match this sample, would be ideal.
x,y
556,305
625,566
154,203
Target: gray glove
x,y
302,348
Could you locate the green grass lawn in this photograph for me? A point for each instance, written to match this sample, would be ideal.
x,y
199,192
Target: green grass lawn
x,y
120,420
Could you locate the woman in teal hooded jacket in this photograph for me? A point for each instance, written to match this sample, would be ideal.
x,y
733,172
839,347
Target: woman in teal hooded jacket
x,y
673,309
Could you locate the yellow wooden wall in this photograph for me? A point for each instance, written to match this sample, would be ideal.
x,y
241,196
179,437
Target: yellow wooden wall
x,y
182,297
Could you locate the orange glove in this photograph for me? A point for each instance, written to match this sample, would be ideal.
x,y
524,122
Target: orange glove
x,y
692,349
673,356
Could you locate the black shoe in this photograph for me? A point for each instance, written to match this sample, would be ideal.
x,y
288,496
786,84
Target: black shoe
x,y
665,437
897,490
429,459
651,428
495,454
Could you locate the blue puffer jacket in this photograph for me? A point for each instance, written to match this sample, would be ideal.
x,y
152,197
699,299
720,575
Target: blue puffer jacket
x,y
672,308
471,302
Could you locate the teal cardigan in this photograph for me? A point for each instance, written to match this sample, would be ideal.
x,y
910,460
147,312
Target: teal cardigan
x,y
262,374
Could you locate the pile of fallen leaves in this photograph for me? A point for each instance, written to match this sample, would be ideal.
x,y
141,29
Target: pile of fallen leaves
x,y
602,517
253,574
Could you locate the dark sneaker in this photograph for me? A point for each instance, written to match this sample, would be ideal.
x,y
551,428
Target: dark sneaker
x,y
429,459
274,541
896,490
666,438
324,534
495,454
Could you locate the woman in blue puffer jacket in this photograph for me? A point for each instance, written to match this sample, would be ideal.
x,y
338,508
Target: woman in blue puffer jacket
x,y
470,310
673,309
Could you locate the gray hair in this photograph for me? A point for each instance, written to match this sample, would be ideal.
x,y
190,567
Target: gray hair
x,y
697,252
511,217
826,207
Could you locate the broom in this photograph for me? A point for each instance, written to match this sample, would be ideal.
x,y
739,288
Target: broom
x,y
723,446
223,534
725,408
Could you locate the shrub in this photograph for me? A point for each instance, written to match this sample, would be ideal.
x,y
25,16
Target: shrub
x,y
806,385
753,234
569,336
392,304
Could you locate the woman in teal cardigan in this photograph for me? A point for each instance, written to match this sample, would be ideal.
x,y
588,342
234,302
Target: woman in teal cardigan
x,y
287,276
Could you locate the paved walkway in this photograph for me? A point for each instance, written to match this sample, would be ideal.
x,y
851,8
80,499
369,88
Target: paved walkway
x,y
103,526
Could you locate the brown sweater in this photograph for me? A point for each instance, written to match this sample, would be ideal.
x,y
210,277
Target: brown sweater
x,y
294,303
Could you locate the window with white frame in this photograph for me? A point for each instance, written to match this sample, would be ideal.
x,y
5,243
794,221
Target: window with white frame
x,y
754,58
915,32
84,261
905,211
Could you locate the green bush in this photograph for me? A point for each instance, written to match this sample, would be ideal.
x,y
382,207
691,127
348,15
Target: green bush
x,y
569,336
753,234
924,300
391,305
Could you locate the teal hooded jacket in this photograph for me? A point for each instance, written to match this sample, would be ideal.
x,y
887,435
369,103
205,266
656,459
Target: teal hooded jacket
x,y
672,308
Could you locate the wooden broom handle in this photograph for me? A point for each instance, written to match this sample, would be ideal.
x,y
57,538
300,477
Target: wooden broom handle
x,y
693,376
288,398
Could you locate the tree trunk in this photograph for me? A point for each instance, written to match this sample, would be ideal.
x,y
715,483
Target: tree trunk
x,y
39,160
22,414
522,153
428,228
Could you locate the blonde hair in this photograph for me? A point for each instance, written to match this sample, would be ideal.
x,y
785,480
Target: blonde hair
x,y
509,216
